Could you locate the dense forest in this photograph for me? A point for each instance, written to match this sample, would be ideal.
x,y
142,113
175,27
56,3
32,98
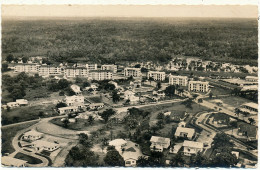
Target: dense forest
x,y
110,39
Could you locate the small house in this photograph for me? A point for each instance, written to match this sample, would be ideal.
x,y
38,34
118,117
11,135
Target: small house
x,y
22,102
12,104
41,145
67,110
13,162
187,133
159,143
32,135
96,106
192,148
76,89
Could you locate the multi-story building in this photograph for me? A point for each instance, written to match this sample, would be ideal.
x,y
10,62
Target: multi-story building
x,y
135,72
25,67
156,75
251,78
76,72
178,80
100,75
159,143
110,67
192,148
47,70
91,66
198,86
74,100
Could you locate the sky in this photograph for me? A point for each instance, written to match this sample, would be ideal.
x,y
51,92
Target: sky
x,y
225,11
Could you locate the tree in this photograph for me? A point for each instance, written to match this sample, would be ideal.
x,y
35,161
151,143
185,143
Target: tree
x,y
41,113
170,91
137,65
224,159
66,122
210,95
113,158
63,83
150,79
160,124
159,85
5,67
222,142
177,161
160,116
61,93
61,104
86,84
107,114
25,59
9,58
142,162
17,93
115,97
82,138
251,120
233,124
91,119
168,119
187,103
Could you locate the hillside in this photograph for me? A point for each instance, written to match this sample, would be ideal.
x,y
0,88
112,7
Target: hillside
x,y
110,40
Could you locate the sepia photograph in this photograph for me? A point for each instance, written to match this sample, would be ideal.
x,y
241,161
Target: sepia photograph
x,y
129,86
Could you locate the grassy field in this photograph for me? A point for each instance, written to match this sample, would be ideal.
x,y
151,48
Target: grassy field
x,y
25,113
95,99
8,133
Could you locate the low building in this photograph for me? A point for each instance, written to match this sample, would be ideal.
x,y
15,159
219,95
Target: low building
x,y
118,143
13,162
92,86
41,145
130,95
251,108
100,75
156,75
198,86
134,72
32,135
192,148
67,110
182,124
96,106
76,89
159,143
176,148
136,84
22,102
178,80
251,78
74,100
109,67
187,133
12,104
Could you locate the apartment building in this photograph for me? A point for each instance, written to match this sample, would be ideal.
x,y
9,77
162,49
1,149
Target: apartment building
x,y
178,80
48,70
135,72
91,66
156,75
76,72
26,67
111,67
100,75
198,86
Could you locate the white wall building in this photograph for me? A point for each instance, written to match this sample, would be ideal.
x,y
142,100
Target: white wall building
x,y
25,67
67,110
74,100
156,75
32,135
110,67
76,72
178,80
47,70
159,143
198,86
135,72
192,148
100,75
41,145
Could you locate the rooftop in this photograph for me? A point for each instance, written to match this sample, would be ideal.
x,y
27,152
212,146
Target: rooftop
x,y
42,143
252,105
9,161
117,142
190,131
159,139
193,144
32,133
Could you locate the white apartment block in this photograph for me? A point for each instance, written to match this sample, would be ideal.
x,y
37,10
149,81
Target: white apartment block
x,y
91,66
178,80
156,75
76,72
110,67
33,67
135,72
46,70
100,75
198,86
